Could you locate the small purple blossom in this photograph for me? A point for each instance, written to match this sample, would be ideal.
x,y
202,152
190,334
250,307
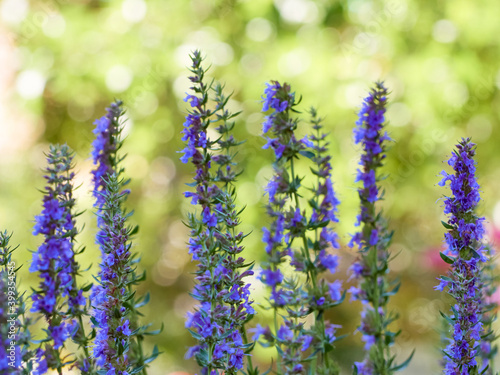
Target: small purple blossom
x,y
284,334
271,278
363,368
272,99
328,261
335,290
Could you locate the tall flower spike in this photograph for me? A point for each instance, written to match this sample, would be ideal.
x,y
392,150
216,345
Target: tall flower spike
x,y
305,239
16,358
110,296
223,295
55,260
118,344
8,313
488,348
372,241
466,254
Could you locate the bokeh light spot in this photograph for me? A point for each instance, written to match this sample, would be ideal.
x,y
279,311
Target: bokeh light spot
x,y
119,78
30,84
146,104
294,62
208,41
436,70
162,171
479,128
81,109
181,86
398,114
254,123
92,42
251,63
55,26
249,194
222,53
137,166
13,11
134,10
298,11
444,31
259,29
456,93
354,94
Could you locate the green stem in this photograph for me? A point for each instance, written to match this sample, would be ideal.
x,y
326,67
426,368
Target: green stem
x,y
140,339
85,341
312,274
304,238
227,185
245,341
278,361
316,237
380,337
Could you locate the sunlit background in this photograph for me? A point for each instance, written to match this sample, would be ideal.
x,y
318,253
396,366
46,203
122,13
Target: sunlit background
x,y
63,61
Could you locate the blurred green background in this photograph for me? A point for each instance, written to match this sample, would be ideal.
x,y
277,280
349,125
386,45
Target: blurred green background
x,y
63,62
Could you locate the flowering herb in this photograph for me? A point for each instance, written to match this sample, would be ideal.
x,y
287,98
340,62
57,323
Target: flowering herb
x,y
55,261
305,239
8,311
488,348
466,255
372,241
224,297
16,357
109,297
118,343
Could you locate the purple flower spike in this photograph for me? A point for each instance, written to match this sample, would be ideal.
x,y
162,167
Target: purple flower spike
x,y
15,354
290,234
109,295
372,239
55,260
465,253
118,343
222,293
104,148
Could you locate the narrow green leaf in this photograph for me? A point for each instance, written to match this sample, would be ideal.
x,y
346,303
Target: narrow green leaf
x,y
446,258
404,364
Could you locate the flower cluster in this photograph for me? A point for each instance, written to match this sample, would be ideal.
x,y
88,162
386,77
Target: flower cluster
x,y
118,343
108,297
305,239
279,98
223,295
465,253
372,241
488,348
13,341
55,260
104,149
